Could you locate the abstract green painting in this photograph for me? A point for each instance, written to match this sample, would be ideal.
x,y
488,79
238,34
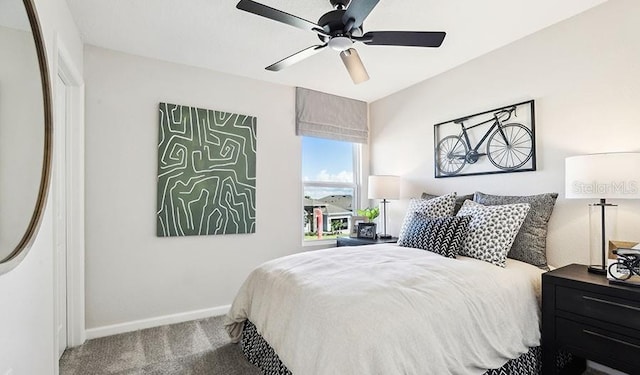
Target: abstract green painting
x,y
206,172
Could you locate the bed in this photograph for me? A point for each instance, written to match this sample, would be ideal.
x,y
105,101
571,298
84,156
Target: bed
x,y
385,309
445,300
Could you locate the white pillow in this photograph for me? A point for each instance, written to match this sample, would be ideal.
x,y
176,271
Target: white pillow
x,y
431,208
492,230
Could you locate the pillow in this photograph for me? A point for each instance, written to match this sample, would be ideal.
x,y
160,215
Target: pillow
x,y
530,244
492,230
436,207
444,235
459,200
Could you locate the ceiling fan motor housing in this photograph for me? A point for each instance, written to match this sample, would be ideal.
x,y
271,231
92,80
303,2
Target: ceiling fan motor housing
x,y
332,24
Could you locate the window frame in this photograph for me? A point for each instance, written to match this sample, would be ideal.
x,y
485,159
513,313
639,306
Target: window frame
x,y
356,185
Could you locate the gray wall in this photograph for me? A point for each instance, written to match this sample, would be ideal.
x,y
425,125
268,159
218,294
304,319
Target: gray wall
x,y
583,74
133,275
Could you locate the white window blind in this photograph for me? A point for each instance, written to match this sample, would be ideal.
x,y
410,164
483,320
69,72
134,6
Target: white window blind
x,y
323,115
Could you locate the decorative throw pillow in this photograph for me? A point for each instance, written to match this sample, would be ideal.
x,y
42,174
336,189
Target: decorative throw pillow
x,y
444,235
492,230
530,244
436,207
459,200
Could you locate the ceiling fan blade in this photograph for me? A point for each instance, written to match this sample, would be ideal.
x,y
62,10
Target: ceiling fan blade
x,y
357,11
403,38
296,57
278,15
354,65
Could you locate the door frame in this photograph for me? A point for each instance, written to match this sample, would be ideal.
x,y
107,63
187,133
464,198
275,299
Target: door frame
x,y
74,152
59,207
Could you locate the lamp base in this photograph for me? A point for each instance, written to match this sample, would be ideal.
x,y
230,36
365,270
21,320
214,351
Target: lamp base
x,y
597,270
384,236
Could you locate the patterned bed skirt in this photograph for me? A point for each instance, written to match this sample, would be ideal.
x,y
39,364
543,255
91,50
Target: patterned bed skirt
x,y
262,355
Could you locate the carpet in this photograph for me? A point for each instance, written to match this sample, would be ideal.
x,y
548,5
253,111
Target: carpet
x,y
199,347
190,348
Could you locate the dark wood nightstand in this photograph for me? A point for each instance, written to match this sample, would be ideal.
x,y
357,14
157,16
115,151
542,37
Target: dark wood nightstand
x,y
585,315
353,241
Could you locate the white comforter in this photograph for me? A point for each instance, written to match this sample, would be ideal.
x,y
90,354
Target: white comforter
x,y
385,309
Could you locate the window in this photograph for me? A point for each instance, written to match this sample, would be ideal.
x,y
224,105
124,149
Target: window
x,y
330,185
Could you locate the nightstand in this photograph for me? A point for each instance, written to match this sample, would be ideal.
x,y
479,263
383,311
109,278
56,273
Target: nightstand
x,y
354,241
585,315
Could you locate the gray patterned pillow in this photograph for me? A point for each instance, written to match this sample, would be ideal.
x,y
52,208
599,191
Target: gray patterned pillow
x,y
436,207
492,230
459,200
443,235
530,244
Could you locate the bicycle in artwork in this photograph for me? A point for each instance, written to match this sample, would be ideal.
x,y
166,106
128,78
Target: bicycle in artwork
x,y
508,145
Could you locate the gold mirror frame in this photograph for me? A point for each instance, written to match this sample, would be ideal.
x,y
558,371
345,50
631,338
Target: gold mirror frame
x,y
21,250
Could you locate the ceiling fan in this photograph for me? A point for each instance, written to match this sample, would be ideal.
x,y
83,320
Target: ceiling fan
x,y
340,29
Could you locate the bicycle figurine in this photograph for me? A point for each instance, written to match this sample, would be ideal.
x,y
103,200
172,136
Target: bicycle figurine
x,y
509,146
626,267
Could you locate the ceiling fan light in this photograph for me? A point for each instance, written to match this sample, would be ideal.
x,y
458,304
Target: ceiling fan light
x,y
354,65
340,43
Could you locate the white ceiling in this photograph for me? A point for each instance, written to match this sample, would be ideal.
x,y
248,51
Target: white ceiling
x,y
214,34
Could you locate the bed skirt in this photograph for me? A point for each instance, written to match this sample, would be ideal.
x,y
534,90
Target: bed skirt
x,y
262,355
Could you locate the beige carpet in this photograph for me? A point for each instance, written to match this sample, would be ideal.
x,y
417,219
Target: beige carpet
x,y
191,348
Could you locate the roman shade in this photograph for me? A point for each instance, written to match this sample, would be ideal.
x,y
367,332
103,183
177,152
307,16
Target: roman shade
x,y
323,115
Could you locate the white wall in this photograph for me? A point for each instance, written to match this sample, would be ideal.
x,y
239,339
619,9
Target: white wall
x,y
133,275
583,74
26,293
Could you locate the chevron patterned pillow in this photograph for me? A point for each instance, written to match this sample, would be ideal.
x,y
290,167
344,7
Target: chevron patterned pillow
x,y
437,207
444,235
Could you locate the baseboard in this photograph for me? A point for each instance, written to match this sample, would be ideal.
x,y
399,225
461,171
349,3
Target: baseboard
x,y
115,329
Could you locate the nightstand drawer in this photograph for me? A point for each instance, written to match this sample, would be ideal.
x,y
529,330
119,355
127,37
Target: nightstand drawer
x,y
605,308
605,347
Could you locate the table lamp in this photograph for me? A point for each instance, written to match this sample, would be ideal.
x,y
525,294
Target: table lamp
x,y
384,187
602,176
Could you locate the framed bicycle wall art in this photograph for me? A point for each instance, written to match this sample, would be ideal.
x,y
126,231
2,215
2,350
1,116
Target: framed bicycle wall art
x,y
500,140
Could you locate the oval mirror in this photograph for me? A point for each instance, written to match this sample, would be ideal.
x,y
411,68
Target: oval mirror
x,y
25,130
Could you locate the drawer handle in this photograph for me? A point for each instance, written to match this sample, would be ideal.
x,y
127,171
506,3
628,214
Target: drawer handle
x,y
611,303
610,338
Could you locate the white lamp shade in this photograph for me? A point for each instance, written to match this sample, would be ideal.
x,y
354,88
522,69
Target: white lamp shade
x,y
384,187
602,176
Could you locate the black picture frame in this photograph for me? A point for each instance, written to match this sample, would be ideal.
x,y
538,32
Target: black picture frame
x,y
474,145
367,230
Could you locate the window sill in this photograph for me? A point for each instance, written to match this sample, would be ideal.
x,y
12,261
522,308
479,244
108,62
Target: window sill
x,y
319,244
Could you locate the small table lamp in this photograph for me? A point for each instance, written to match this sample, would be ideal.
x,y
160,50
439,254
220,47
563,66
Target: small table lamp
x,y
384,187
602,176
